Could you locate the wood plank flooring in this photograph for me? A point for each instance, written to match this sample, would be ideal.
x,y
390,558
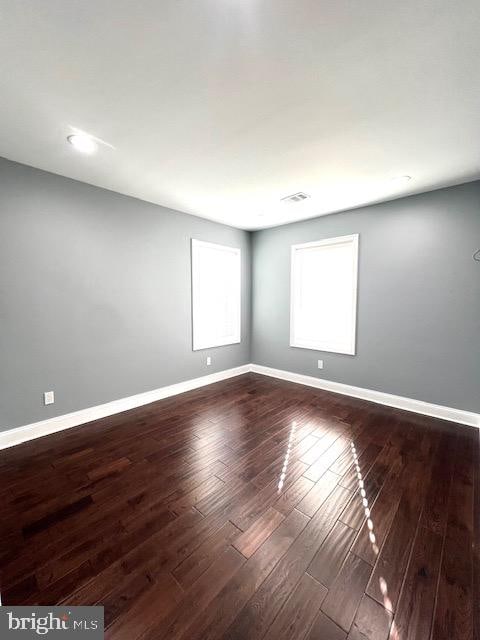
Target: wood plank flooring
x,y
250,509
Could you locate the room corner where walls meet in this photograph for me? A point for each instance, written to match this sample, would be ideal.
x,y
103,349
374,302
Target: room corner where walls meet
x,y
95,297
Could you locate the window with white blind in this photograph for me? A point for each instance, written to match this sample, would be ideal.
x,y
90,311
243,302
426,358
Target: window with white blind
x,y
323,304
215,295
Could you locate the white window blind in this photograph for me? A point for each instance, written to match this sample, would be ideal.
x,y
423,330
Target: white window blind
x,y
215,295
323,304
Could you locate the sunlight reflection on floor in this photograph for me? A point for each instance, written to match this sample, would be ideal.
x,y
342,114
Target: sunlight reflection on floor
x,y
291,439
387,603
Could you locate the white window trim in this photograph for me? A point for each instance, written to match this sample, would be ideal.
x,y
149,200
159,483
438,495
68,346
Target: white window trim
x,y
236,339
319,346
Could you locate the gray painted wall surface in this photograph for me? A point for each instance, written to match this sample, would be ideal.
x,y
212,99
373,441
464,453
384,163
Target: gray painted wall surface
x,y
418,323
95,296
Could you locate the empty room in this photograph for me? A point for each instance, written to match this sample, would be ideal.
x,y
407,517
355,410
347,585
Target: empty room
x,y
240,320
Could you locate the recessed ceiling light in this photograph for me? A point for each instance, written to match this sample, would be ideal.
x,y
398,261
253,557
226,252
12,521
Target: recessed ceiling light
x,y
83,143
401,179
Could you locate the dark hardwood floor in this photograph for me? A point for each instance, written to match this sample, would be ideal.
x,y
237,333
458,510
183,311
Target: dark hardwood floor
x,y
249,509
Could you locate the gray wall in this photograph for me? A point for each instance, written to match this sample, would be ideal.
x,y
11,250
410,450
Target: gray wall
x,y
418,331
95,295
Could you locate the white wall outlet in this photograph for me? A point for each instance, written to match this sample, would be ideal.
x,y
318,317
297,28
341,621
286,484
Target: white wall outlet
x,y
209,361
48,397
320,364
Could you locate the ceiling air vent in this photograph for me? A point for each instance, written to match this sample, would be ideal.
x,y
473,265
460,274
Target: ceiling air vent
x,y
295,197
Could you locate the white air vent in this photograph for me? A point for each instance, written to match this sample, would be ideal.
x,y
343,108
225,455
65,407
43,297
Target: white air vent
x,y
295,197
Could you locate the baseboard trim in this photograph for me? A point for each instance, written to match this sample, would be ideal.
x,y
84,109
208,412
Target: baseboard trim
x,y
399,402
17,435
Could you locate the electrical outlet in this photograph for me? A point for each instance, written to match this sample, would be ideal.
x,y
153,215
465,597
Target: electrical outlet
x,y
48,397
320,364
209,361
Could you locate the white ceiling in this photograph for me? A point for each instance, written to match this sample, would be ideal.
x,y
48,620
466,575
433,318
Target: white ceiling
x,y
221,107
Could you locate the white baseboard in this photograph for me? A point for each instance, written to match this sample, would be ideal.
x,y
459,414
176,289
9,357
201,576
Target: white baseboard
x,y
408,404
18,435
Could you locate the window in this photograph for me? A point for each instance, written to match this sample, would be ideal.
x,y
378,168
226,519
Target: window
x,y
323,301
215,295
